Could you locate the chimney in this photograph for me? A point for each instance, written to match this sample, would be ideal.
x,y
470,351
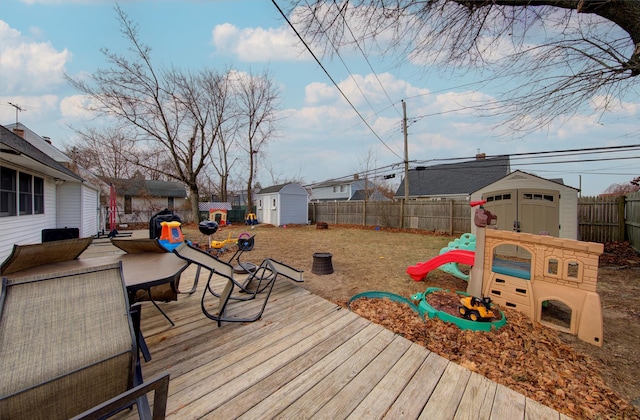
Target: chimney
x,y
481,156
19,131
47,139
356,177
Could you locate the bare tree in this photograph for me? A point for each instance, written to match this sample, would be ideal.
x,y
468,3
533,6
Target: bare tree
x,y
560,54
164,109
100,151
257,99
621,189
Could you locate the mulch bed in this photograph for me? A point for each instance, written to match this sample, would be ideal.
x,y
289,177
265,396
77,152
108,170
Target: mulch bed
x,y
524,356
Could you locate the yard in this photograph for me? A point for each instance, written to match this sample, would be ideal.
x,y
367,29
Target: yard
x,y
556,369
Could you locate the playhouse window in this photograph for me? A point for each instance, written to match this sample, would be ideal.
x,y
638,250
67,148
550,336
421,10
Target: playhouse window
x,y
512,261
573,270
552,266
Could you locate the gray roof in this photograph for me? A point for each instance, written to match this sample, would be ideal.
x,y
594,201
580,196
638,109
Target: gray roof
x,y
14,144
138,187
273,188
455,178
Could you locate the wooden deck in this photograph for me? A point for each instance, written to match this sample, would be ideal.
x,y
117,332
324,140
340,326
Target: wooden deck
x,y
309,358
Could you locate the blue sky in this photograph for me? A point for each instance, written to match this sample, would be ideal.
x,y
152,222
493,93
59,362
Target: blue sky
x,y
321,137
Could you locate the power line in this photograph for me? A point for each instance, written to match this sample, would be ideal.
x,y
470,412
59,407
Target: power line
x,y
332,80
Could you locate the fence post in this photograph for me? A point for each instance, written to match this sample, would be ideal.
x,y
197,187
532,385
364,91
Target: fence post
x,y
450,217
621,220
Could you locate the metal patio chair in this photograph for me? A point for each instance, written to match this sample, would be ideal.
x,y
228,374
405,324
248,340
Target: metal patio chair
x,y
68,347
259,283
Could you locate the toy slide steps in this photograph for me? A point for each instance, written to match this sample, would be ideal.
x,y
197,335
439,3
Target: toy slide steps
x,y
420,270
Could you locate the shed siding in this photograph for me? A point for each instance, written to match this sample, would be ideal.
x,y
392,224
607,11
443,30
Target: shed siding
x,y
567,205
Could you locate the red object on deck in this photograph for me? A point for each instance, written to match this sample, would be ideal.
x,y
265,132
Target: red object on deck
x,y
420,270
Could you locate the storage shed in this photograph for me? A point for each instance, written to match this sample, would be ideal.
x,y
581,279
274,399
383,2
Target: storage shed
x,y
527,203
281,205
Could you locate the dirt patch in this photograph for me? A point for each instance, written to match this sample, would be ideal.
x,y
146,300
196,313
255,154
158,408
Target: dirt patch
x,y
576,378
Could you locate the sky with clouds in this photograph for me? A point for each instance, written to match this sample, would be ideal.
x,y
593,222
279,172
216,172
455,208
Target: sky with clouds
x,y
321,136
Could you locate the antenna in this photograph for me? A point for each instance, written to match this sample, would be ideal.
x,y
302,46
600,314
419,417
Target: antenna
x,y
18,109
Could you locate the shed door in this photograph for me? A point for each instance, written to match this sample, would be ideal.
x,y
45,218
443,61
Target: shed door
x,y
538,211
524,210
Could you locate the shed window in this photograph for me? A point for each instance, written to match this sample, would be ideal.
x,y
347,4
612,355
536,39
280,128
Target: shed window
x,y
274,203
170,203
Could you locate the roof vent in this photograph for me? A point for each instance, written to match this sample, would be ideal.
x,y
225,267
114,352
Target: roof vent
x,y
481,156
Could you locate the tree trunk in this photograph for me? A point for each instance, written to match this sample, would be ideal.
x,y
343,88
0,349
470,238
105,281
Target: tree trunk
x,y
194,198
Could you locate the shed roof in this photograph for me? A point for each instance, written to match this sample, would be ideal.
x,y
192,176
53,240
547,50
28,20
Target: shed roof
x,y
461,178
277,188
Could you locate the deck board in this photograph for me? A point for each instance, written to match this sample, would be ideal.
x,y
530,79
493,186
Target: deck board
x,y
309,358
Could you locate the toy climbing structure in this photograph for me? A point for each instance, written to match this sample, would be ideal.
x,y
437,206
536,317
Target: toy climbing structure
x,y
553,269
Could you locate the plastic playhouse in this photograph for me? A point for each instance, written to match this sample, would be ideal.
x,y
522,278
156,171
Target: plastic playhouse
x,y
525,272
219,216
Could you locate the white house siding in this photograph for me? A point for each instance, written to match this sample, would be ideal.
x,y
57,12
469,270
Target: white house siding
x,y
518,180
24,230
90,211
69,209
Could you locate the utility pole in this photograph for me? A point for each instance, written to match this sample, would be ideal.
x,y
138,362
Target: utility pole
x,y
406,162
17,107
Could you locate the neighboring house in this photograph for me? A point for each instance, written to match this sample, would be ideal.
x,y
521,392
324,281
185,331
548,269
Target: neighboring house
x,y
454,180
37,192
281,205
349,190
527,203
138,199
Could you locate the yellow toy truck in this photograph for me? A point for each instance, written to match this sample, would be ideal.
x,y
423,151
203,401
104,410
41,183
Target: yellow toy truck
x,y
476,309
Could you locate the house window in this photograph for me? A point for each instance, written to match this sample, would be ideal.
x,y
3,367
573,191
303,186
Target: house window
x,y
127,204
20,193
335,189
170,203
343,188
25,182
8,193
38,195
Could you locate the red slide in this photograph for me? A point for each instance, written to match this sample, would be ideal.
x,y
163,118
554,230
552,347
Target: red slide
x,y
420,270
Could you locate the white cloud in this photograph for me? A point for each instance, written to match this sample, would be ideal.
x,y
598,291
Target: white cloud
x,y
258,44
76,107
27,66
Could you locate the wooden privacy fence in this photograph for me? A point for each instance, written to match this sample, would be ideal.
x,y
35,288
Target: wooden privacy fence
x,y
452,217
600,219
